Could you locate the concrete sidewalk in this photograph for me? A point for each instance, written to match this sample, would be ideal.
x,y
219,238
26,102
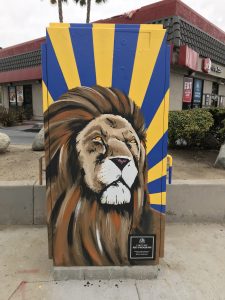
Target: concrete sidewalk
x,y
193,268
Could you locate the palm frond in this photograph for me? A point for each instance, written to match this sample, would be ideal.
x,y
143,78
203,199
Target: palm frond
x,y
81,2
100,1
55,1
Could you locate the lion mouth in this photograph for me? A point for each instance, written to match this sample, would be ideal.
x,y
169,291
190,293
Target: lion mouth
x,y
116,194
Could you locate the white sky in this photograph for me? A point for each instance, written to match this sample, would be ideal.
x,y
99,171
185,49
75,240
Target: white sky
x,y
23,20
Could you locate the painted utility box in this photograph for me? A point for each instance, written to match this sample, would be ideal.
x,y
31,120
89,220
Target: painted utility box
x,y
105,98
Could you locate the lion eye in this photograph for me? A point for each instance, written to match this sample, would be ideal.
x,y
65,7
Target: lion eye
x,y
132,141
97,139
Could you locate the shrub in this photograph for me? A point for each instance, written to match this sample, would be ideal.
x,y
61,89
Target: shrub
x,y
218,128
7,117
20,114
189,125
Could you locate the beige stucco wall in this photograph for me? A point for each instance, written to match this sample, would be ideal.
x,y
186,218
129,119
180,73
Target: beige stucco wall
x,y
222,90
207,88
5,97
37,101
176,91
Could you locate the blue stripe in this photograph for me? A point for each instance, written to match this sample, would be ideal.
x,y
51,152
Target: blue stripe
x,y
158,152
56,82
158,207
157,186
80,25
125,43
158,85
81,37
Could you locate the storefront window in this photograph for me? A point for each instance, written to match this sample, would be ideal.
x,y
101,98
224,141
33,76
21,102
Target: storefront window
x,y
19,95
215,97
206,100
12,96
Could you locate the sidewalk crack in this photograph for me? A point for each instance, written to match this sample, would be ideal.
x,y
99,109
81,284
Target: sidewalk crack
x,y
139,297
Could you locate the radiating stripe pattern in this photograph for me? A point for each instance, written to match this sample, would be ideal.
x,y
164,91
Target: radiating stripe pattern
x,y
133,58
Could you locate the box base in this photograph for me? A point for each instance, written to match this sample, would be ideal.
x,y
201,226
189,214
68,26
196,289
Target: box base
x,y
105,273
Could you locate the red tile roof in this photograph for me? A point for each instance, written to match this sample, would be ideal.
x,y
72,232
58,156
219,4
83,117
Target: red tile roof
x,y
145,14
22,48
168,8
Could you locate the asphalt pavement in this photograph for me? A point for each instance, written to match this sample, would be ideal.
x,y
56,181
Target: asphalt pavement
x,y
23,134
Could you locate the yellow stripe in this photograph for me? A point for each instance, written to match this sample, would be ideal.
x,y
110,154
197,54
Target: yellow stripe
x,y
148,46
170,160
147,27
158,198
103,41
47,99
62,45
59,25
158,170
159,124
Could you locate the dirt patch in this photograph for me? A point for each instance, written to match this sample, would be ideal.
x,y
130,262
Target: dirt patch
x,y
19,163
198,164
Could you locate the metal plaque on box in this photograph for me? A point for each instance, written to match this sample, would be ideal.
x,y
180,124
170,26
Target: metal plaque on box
x,y
142,247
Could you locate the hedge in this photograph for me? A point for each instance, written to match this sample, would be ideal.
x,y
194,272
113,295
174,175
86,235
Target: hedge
x,y
195,127
10,117
218,128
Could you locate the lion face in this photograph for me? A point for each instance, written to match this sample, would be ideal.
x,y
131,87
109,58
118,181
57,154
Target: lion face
x,y
109,151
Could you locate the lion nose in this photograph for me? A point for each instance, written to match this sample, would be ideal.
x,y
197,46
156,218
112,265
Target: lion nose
x,y
120,162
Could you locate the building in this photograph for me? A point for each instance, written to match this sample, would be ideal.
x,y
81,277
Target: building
x,y
197,60
20,77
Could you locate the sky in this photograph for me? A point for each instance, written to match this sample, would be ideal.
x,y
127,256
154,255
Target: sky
x,y
23,20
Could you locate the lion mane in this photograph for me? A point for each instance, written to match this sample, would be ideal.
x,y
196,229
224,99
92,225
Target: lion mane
x,y
82,231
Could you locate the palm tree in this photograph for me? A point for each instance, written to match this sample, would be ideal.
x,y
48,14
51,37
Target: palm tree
x,y
88,3
59,8
81,2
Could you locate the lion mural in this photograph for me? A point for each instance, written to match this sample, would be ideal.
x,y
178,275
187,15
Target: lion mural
x,y
97,178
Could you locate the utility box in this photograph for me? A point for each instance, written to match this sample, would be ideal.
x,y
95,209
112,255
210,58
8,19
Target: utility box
x,y
106,99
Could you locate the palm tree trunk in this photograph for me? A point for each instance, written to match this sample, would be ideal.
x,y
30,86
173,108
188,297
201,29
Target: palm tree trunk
x,y
60,11
88,11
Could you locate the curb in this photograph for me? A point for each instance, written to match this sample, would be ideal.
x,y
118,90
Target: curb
x,y
23,202
196,201
105,273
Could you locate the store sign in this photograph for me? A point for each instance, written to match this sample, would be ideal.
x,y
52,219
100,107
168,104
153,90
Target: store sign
x,y
197,93
19,92
187,91
206,65
216,69
188,58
